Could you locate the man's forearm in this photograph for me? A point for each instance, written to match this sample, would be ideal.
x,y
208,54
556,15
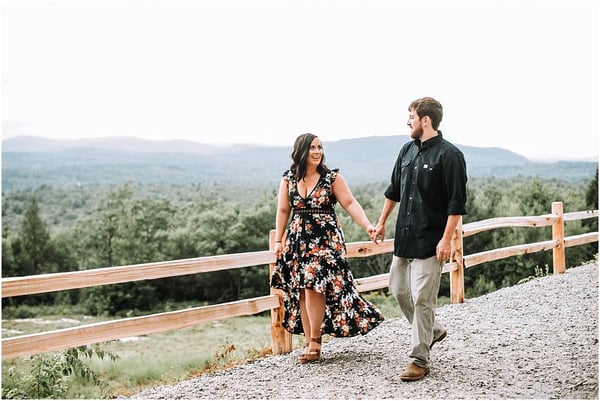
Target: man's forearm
x,y
388,207
451,224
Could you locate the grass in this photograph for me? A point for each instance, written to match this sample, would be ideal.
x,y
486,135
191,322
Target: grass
x,y
173,356
161,358
169,357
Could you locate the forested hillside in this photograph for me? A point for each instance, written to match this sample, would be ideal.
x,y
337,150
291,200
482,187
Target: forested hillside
x,y
82,209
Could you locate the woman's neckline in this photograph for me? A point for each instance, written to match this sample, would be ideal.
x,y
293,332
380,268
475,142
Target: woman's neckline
x,y
309,193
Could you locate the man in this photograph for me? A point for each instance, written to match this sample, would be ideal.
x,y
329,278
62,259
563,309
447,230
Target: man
x,y
429,182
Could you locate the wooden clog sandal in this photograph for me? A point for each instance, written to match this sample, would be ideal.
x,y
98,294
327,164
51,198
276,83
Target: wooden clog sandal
x,y
302,356
313,354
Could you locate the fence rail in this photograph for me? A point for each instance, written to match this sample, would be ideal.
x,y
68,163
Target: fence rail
x,y
281,340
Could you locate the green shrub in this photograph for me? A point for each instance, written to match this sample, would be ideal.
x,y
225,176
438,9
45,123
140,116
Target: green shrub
x,y
49,374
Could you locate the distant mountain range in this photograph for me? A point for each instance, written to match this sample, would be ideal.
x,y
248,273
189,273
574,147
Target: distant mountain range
x,y
24,144
28,162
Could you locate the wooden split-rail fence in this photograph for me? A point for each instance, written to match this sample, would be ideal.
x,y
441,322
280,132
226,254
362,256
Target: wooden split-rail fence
x,y
55,340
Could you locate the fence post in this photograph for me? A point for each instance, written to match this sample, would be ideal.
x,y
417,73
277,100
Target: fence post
x,y
558,234
281,339
457,277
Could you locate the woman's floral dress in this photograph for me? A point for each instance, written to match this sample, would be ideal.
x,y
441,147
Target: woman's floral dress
x,y
314,257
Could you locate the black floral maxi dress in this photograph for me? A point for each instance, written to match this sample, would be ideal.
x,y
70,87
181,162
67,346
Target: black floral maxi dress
x,y
314,257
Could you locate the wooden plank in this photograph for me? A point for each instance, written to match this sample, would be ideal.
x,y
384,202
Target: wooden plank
x,y
499,222
450,267
372,283
586,214
281,339
559,264
581,239
368,248
457,277
37,284
501,253
105,331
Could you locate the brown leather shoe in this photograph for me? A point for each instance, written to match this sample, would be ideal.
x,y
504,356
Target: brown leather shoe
x,y
413,372
439,338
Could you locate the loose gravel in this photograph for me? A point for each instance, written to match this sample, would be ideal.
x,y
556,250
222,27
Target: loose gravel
x,y
537,340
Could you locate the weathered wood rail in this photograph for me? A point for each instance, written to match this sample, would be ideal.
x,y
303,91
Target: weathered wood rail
x,y
281,340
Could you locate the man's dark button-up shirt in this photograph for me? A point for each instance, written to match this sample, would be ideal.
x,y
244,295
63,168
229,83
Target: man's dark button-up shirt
x,y
429,181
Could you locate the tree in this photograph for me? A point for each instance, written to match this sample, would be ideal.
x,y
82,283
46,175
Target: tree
x,y
34,238
591,195
216,233
253,235
589,251
9,264
143,230
109,237
30,252
98,232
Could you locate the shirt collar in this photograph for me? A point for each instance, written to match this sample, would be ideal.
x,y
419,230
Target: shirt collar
x,y
430,141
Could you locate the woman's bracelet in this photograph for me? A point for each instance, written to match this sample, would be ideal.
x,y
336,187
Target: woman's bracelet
x,y
277,241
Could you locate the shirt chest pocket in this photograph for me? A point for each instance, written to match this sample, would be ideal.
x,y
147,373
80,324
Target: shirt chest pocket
x,y
406,173
429,174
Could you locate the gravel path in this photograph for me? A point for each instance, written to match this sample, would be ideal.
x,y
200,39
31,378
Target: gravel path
x,y
535,340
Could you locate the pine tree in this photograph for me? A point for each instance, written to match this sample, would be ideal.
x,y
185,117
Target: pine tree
x,y
591,196
32,247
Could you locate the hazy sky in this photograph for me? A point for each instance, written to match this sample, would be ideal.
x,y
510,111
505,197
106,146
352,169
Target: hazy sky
x,y
522,75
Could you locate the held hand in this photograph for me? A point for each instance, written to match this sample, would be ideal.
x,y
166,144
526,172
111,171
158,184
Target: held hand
x,y
379,233
371,230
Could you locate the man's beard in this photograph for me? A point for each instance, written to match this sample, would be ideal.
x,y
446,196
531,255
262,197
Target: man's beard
x,y
417,133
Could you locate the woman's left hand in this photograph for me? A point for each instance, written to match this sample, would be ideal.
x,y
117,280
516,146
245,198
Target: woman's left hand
x,y
371,230
278,250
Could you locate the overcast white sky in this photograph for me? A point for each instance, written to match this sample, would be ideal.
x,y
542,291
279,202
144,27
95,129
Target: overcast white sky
x,y
522,75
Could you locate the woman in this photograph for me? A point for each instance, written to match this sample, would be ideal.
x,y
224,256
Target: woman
x,y
318,287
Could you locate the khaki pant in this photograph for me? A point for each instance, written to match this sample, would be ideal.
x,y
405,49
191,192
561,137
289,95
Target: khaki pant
x,y
415,284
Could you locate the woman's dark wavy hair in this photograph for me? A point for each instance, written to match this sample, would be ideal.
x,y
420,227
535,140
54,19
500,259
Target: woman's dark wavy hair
x,y
300,155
